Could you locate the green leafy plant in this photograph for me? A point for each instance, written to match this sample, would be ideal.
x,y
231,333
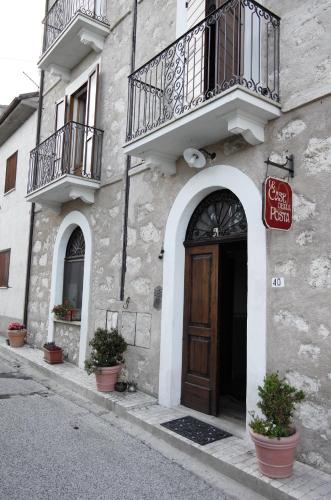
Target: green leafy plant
x,y
62,310
278,400
107,350
51,346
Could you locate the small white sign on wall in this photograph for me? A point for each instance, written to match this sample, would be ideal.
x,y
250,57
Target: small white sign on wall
x,y
278,282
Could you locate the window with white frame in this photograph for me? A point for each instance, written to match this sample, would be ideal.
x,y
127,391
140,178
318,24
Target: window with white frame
x,y
74,271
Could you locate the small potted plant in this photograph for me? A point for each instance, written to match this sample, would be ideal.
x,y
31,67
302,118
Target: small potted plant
x,y
52,353
63,311
16,334
274,435
122,382
106,359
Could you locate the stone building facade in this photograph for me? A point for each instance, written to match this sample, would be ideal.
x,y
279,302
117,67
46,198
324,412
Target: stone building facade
x,y
18,128
150,206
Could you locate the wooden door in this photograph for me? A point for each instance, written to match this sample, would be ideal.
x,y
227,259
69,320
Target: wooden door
x,y
200,338
223,41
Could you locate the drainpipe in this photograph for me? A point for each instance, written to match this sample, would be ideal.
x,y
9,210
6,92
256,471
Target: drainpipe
x,y
32,213
128,159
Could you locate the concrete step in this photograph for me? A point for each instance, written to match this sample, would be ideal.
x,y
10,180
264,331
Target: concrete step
x,y
233,456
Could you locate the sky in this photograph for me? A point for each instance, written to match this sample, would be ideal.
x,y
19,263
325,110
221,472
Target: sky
x,y
20,46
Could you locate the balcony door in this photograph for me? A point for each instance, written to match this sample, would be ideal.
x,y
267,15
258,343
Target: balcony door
x,y
222,47
82,114
78,111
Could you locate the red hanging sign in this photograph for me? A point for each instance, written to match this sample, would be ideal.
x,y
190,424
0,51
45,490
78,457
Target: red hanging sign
x,y
277,209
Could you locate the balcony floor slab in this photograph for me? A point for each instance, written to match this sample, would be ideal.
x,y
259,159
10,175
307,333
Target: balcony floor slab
x,y
78,38
64,189
235,111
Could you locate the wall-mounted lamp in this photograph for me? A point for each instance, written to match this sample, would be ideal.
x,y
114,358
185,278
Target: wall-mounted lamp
x,y
197,158
161,253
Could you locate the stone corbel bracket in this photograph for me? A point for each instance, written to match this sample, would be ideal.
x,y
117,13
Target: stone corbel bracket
x,y
60,71
86,195
95,41
165,164
252,129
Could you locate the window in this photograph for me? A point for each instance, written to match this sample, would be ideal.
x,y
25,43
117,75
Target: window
x,y
4,268
74,271
218,216
10,181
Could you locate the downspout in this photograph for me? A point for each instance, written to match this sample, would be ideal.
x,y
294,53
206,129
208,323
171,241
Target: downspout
x,y
32,212
128,159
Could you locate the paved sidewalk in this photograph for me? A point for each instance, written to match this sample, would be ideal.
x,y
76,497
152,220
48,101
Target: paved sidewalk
x,y
233,456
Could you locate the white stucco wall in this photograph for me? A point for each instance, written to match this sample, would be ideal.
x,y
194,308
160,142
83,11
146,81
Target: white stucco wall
x,y
15,219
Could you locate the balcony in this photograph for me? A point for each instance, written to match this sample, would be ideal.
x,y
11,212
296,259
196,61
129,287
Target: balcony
x,y
218,79
66,166
72,29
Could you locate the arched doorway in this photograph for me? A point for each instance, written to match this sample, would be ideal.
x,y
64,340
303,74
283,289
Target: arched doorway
x,y
215,306
192,193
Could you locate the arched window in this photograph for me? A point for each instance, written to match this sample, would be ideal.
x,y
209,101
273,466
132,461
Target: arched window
x,y
218,216
74,270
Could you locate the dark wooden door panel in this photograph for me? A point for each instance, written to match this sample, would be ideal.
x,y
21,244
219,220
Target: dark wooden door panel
x,y
200,344
198,356
201,268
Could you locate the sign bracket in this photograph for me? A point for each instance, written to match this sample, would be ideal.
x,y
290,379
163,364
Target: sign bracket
x,y
288,165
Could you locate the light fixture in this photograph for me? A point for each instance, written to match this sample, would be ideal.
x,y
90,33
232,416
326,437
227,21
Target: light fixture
x,y
196,158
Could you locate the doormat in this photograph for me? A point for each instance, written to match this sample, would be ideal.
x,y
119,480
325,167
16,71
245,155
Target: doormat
x,y
196,430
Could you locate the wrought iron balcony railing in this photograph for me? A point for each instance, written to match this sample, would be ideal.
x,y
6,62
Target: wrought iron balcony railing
x,y
63,11
238,44
74,149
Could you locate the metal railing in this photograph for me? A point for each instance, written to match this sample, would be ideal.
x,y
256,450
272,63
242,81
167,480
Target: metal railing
x,y
63,11
74,149
238,44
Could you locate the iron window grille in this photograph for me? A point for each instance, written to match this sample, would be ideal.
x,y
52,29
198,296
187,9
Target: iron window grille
x,y
220,215
74,272
237,44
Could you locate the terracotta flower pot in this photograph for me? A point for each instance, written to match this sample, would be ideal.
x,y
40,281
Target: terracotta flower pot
x,y
106,378
16,337
53,356
275,456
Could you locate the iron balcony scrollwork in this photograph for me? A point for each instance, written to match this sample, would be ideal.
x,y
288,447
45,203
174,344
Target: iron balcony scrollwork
x,y
238,44
63,11
74,149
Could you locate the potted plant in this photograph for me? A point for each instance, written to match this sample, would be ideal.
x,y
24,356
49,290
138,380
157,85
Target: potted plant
x,y
16,334
106,358
121,386
274,435
52,353
122,382
63,311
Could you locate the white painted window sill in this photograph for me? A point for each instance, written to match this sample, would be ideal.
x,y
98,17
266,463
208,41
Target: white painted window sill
x,y
4,287
76,323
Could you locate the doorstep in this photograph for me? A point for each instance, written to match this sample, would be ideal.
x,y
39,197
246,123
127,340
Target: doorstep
x,y
232,456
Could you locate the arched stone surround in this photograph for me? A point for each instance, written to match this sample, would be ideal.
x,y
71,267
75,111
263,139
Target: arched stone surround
x,y
194,191
69,223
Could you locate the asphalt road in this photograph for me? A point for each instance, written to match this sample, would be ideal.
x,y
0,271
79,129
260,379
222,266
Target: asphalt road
x,y
53,446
